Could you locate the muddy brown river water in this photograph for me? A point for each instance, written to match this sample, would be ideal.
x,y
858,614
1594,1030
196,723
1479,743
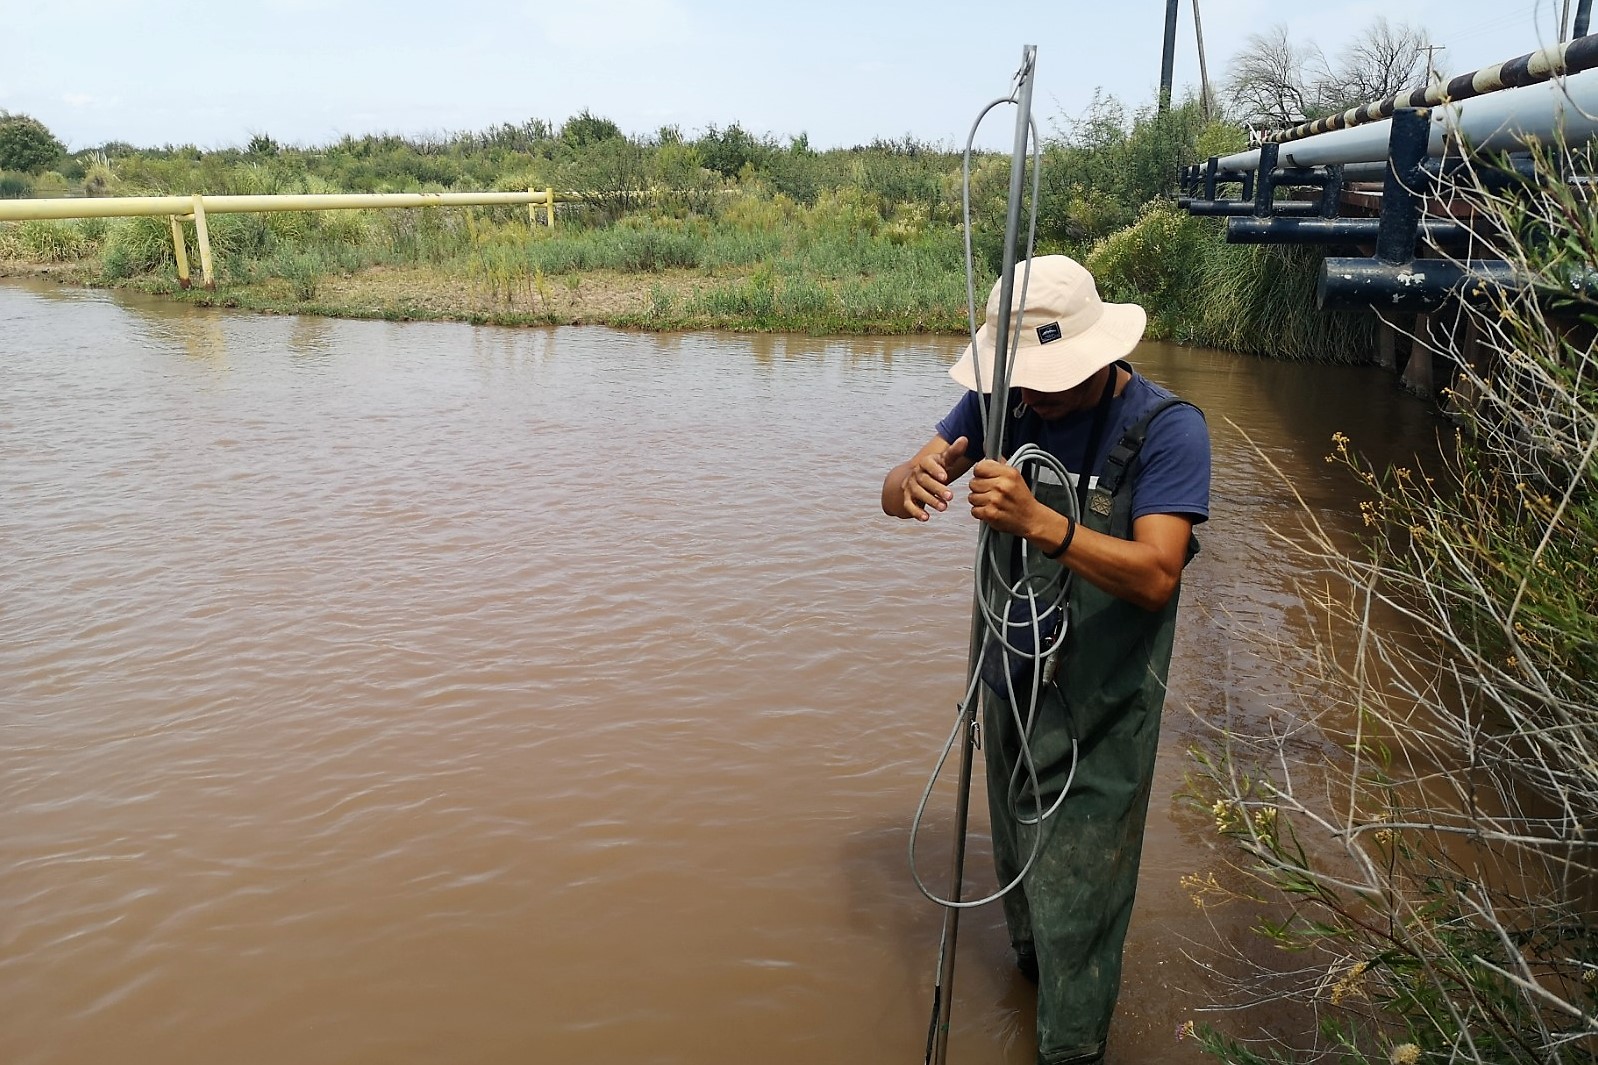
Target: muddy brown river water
x,y
411,693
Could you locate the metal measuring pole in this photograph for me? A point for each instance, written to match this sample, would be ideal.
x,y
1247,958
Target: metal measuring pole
x,y
998,408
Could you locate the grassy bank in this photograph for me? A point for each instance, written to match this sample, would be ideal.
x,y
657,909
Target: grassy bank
x,y
761,264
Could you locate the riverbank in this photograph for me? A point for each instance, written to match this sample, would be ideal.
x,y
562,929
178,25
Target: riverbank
x,y
745,301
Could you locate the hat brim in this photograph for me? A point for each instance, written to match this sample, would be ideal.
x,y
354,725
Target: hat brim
x,y
1062,364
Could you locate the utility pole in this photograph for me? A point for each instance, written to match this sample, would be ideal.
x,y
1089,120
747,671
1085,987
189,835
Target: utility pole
x,y
1431,68
1204,69
1168,56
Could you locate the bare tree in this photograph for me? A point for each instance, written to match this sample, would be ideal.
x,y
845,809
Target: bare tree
x,y
1268,82
1382,60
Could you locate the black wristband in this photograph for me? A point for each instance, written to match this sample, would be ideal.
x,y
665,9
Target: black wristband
x,y
1070,533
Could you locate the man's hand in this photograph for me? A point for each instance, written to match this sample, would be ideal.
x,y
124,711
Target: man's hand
x,y
1001,499
926,483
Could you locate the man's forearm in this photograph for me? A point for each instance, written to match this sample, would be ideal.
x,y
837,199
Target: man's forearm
x,y
1138,572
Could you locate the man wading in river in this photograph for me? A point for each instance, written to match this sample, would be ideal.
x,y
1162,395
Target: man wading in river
x,y
1147,459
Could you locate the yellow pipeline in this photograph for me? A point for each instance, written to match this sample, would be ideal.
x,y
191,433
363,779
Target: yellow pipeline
x,y
130,206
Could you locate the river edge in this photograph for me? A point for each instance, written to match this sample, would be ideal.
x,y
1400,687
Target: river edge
x,y
652,302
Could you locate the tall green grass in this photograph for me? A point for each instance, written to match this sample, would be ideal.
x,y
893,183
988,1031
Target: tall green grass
x,y
49,241
1199,289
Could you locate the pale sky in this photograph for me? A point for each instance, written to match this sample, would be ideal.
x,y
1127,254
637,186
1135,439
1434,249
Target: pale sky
x,y
308,71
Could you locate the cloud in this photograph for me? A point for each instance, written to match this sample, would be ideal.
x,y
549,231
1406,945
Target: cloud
x,y
79,99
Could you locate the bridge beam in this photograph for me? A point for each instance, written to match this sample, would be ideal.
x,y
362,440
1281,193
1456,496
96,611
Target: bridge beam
x,y
1228,208
1335,231
1422,285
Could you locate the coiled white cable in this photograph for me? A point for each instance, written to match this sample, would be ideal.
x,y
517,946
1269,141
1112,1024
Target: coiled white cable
x,y
997,614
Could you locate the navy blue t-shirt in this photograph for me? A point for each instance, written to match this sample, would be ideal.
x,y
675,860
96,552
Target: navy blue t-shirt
x,y
1173,471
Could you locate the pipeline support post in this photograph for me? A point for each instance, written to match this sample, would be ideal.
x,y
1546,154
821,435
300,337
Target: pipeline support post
x,y
549,206
1419,377
1401,204
180,254
1265,181
1386,345
1332,192
202,237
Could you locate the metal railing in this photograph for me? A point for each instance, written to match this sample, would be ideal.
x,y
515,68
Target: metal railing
x,y
180,209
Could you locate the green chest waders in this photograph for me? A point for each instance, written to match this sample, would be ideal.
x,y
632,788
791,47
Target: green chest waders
x,y
1074,906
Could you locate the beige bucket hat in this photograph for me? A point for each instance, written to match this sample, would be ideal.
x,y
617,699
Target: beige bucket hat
x,y
1066,332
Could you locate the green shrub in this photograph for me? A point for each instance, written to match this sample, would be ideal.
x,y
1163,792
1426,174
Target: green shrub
x,y
649,250
303,271
136,246
1153,262
45,241
801,298
26,145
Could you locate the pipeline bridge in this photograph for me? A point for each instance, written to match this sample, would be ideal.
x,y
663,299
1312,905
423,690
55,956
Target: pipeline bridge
x,y
1374,184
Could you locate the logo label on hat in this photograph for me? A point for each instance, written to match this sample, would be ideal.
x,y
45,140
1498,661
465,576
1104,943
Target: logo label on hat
x,y
1048,334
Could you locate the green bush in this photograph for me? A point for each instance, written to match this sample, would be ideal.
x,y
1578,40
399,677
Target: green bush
x,y
134,246
26,145
728,151
15,186
47,241
1154,262
302,270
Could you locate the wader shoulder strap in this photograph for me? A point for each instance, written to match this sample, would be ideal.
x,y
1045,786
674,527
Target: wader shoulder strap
x,y
1122,456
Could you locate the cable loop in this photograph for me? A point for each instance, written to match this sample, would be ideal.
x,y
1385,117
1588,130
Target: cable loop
x,y
997,595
